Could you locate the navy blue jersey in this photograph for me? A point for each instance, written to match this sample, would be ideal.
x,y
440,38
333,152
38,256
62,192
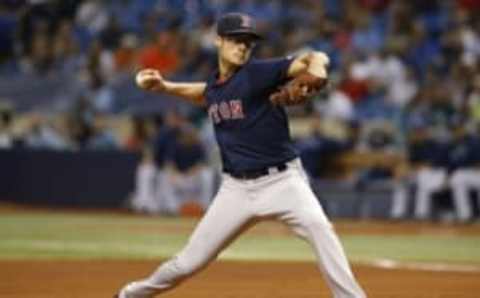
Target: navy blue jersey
x,y
432,152
251,132
466,152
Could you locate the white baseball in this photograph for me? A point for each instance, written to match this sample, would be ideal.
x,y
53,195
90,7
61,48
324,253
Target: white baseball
x,y
141,78
148,78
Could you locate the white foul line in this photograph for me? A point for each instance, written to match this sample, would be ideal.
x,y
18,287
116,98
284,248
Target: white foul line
x,y
438,267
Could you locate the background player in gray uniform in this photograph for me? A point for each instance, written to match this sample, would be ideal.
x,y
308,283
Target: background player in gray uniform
x,y
263,177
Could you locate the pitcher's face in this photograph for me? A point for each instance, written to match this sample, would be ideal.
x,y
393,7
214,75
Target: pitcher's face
x,y
235,49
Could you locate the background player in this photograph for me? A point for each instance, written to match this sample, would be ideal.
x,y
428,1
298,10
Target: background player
x,y
263,177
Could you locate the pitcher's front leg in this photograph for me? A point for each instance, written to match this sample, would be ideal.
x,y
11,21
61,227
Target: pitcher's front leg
x,y
293,202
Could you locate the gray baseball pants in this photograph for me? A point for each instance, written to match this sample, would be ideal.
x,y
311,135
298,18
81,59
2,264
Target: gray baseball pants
x,y
284,196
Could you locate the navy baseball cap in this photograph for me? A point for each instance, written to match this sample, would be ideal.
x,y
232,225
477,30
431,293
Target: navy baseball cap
x,y
237,23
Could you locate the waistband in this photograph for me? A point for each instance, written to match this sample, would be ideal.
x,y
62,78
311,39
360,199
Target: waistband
x,y
257,173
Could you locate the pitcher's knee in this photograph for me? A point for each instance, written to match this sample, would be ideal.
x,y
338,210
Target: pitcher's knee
x,y
317,222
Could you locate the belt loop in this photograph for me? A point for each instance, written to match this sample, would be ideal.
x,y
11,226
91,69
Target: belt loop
x,y
273,170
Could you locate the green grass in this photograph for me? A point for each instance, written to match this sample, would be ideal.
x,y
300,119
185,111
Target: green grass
x,y
107,236
422,248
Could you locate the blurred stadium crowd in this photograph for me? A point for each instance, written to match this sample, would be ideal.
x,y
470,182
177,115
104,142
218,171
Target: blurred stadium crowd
x,y
405,84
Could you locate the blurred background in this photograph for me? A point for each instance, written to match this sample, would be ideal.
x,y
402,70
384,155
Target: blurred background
x,y
396,135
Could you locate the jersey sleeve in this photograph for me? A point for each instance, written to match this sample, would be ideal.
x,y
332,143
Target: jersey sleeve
x,y
270,73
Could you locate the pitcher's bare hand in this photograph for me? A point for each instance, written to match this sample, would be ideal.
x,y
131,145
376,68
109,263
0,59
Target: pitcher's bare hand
x,y
150,79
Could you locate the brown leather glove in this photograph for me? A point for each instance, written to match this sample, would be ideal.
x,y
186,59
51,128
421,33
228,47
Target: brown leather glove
x,y
298,90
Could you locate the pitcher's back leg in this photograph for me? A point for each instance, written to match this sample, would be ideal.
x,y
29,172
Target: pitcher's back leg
x,y
226,218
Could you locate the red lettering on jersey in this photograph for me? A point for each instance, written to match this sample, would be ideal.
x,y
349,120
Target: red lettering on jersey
x,y
213,113
225,111
237,109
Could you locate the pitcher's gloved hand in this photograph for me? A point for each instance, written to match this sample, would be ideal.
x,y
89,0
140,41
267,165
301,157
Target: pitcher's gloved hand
x,y
298,90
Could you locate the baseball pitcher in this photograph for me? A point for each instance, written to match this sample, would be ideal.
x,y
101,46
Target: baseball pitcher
x,y
262,175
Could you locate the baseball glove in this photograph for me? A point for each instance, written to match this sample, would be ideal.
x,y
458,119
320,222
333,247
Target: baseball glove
x,y
298,90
